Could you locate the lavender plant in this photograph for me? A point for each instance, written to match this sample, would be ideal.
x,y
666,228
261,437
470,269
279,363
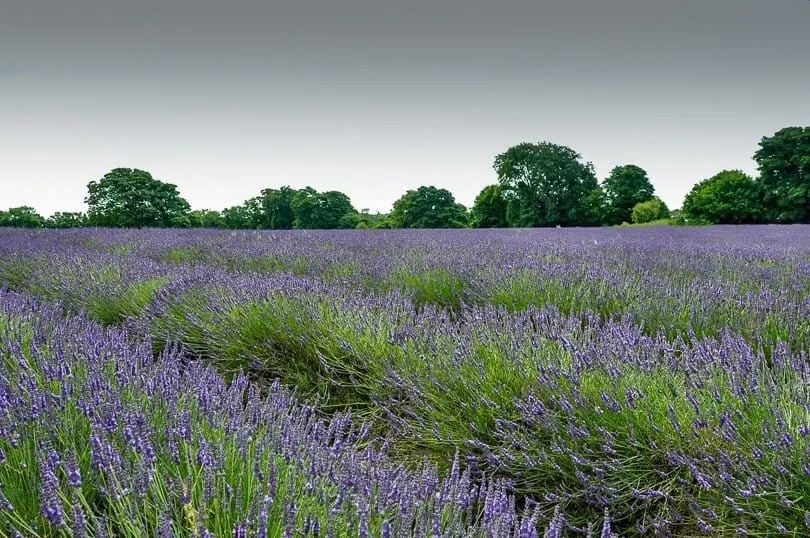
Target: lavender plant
x,y
661,374
100,438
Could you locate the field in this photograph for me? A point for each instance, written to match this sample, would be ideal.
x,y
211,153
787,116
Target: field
x,y
505,383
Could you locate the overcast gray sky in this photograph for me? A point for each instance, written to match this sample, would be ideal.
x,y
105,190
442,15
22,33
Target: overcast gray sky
x,y
373,97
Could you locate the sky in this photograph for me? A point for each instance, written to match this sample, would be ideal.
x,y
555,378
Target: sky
x,y
375,97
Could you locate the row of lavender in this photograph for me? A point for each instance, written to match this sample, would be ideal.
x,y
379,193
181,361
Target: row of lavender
x,y
100,438
677,432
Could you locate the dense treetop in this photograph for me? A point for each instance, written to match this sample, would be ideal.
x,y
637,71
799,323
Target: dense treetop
x,y
625,187
428,207
21,217
489,209
729,197
546,184
784,166
128,197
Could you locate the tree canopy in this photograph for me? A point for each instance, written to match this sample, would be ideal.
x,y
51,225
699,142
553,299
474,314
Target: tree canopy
x,y
322,210
66,219
546,185
129,197
277,208
21,217
247,216
205,218
625,187
489,209
728,197
428,207
784,167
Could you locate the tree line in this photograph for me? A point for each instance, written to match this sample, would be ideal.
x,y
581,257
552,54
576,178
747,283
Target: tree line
x,y
539,184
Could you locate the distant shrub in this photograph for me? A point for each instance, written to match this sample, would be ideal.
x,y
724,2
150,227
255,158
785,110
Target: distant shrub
x,y
649,211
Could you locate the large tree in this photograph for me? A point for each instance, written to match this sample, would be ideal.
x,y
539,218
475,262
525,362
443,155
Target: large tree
x,y
546,185
784,167
323,210
128,197
428,207
728,197
625,187
489,209
277,211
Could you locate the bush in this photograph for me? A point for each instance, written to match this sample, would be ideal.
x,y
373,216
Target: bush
x,y
649,211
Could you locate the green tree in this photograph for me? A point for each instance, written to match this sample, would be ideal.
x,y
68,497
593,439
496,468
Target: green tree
x,y
366,220
128,197
489,208
428,207
649,211
277,208
729,197
335,210
66,219
247,216
205,218
180,221
303,205
625,187
21,217
594,206
784,167
236,218
323,211
546,185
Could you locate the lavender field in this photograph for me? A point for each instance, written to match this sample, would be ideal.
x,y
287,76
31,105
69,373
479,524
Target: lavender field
x,y
504,383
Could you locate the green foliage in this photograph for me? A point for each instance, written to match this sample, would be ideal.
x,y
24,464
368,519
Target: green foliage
x,y
625,187
180,221
322,210
349,220
277,208
428,207
127,198
729,197
373,221
546,185
784,166
205,218
21,217
652,223
594,206
247,216
296,338
66,220
649,211
489,209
